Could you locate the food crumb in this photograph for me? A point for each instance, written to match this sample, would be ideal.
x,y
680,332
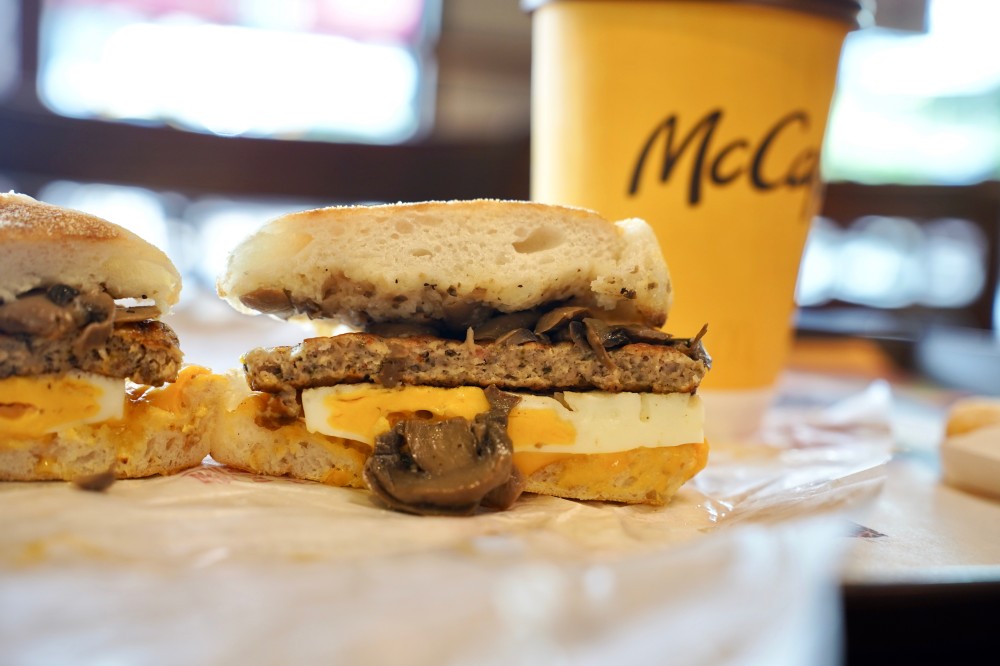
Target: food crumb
x,y
97,483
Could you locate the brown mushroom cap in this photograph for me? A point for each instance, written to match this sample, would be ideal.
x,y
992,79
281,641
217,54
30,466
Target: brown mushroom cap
x,y
445,467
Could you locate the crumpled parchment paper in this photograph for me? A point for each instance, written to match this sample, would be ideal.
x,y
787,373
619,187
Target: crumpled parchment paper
x,y
213,566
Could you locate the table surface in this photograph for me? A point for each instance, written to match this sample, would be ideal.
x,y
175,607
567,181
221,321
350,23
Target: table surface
x,y
919,530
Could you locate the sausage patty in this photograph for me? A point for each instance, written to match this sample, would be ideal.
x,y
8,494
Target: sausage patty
x,y
433,361
146,352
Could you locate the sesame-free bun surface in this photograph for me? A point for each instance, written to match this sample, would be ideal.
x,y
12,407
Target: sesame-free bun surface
x,y
970,449
241,442
972,413
433,261
638,476
42,244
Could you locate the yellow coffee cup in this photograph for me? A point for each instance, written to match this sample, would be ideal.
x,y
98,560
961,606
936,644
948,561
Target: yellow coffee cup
x,y
706,119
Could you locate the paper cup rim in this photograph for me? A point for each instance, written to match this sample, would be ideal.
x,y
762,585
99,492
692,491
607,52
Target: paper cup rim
x,y
843,10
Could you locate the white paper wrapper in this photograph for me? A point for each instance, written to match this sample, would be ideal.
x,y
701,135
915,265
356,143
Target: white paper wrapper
x,y
214,566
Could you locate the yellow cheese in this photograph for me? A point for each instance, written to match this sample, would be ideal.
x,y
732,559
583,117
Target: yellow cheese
x,y
536,428
169,396
362,411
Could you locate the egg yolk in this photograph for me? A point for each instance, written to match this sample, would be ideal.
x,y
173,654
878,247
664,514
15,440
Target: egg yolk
x,y
34,406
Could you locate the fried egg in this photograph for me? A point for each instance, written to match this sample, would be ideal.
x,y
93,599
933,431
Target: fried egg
x,y
576,423
34,406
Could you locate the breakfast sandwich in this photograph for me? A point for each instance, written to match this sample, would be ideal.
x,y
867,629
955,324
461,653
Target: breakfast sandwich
x,y
91,381
475,350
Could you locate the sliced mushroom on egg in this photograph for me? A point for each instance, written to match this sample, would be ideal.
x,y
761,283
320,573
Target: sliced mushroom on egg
x,y
446,467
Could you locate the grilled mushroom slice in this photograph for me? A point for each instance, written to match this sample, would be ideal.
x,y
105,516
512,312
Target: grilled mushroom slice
x,y
578,335
269,301
518,336
446,467
498,326
125,315
597,332
559,317
638,333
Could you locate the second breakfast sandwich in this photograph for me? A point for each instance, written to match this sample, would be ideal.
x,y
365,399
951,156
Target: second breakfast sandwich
x,y
91,380
492,347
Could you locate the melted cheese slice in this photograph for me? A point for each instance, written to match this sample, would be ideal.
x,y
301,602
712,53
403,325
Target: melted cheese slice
x,y
591,422
34,406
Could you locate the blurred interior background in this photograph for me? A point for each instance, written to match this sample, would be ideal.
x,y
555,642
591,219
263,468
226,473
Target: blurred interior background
x,y
195,121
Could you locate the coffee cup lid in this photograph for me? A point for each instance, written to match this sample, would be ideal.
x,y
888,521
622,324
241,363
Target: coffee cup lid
x,y
844,10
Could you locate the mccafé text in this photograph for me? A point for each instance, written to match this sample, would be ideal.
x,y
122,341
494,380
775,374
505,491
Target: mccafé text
x,y
713,163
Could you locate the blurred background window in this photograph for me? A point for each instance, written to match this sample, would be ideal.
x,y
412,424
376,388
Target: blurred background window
x,y
923,106
196,232
894,262
333,70
917,105
299,73
9,46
